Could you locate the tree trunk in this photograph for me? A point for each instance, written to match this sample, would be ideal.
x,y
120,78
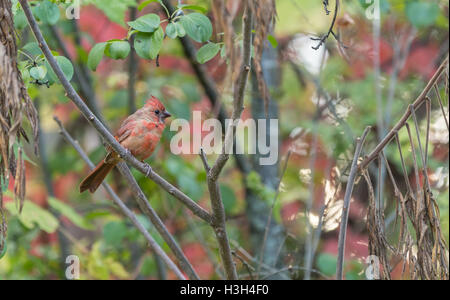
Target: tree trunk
x,y
258,209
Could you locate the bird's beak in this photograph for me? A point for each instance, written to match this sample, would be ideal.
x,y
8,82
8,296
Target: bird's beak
x,y
164,115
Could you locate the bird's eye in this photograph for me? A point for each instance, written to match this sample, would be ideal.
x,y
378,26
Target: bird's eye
x,y
157,112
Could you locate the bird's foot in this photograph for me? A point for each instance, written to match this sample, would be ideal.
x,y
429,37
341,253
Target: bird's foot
x,y
149,170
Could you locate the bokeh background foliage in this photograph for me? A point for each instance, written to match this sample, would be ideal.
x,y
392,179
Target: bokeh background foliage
x,y
57,221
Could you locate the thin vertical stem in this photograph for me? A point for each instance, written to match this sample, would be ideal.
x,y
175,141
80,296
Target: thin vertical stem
x,y
345,210
405,173
269,218
422,156
133,61
428,107
441,105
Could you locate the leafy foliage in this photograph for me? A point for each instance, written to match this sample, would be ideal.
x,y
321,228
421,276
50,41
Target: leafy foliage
x,y
149,35
108,245
115,10
207,52
33,215
47,12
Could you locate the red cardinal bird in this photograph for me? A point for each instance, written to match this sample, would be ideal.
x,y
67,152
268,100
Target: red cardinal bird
x,y
139,133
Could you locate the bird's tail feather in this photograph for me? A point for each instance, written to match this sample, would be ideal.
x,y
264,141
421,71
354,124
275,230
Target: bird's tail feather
x,y
96,177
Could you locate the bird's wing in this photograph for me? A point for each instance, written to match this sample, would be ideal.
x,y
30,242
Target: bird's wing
x,y
126,129
123,133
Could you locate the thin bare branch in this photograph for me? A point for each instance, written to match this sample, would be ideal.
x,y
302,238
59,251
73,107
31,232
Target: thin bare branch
x,y
427,138
345,210
418,102
441,105
124,209
238,102
291,269
323,39
219,218
148,210
422,155
209,87
416,167
405,172
144,168
204,160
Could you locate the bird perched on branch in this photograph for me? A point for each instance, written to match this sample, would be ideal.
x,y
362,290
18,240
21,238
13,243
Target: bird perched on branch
x,y
139,134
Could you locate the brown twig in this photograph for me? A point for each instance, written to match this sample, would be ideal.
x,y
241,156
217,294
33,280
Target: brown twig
x,y
422,155
148,210
219,218
139,195
209,87
238,103
124,209
416,167
293,268
245,255
331,29
144,168
418,102
249,268
441,105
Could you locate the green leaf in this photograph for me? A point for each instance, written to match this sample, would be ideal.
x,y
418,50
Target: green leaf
x,y
148,23
193,7
145,3
96,55
96,264
114,233
148,266
171,31
38,73
422,14
191,92
118,49
197,26
326,264
32,49
25,74
273,41
180,29
20,20
207,52
117,269
48,12
69,213
228,198
66,66
33,215
188,183
254,182
148,45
